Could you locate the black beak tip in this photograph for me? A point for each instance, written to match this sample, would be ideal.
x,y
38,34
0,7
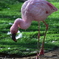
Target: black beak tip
x,y
13,37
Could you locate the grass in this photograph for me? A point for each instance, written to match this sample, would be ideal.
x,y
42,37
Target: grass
x,y
28,42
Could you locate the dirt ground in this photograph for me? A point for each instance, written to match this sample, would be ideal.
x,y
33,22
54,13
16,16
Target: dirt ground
x,y
49,55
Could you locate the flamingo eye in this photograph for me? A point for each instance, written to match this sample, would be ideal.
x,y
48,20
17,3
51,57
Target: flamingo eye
x,y
47,12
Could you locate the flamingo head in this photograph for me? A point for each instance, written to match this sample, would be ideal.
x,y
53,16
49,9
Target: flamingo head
x,y
14,30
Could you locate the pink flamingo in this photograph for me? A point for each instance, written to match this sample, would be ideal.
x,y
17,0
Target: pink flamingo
x,y
33,10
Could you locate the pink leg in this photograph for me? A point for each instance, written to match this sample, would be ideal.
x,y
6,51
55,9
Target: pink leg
x,y
37,57
42,48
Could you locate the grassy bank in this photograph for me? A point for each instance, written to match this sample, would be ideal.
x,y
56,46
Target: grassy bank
x,y
28,42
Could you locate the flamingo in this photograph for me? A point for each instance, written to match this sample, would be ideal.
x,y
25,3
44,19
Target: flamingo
x,y
33,10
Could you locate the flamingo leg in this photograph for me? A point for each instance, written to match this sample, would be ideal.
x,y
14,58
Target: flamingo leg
x,y
42,48
38,36
38,45
37,57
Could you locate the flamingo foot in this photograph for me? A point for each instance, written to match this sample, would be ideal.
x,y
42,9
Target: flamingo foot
x,y
37,57
41,52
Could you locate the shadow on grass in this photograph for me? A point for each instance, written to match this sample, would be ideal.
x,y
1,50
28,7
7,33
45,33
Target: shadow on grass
x,y
21,52
9,17
30,45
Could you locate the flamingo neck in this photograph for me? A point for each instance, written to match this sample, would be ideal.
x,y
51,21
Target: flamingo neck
x,y
23,24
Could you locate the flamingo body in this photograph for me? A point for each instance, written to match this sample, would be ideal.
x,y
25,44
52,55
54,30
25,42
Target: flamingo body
x,y
32,10
37,10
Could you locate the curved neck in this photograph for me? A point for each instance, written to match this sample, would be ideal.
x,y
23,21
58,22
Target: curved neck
x,y
23,24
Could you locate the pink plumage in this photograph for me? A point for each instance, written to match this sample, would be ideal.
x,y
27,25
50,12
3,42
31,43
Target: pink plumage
x,y
32,10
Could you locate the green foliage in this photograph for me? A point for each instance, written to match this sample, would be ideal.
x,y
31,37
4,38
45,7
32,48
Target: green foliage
x,y
6,3
28,42
53,0
3,5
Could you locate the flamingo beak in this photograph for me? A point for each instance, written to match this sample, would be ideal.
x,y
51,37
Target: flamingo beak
x,y
14,37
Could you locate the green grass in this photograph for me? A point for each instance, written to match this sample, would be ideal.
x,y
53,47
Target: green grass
x,y
28,42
